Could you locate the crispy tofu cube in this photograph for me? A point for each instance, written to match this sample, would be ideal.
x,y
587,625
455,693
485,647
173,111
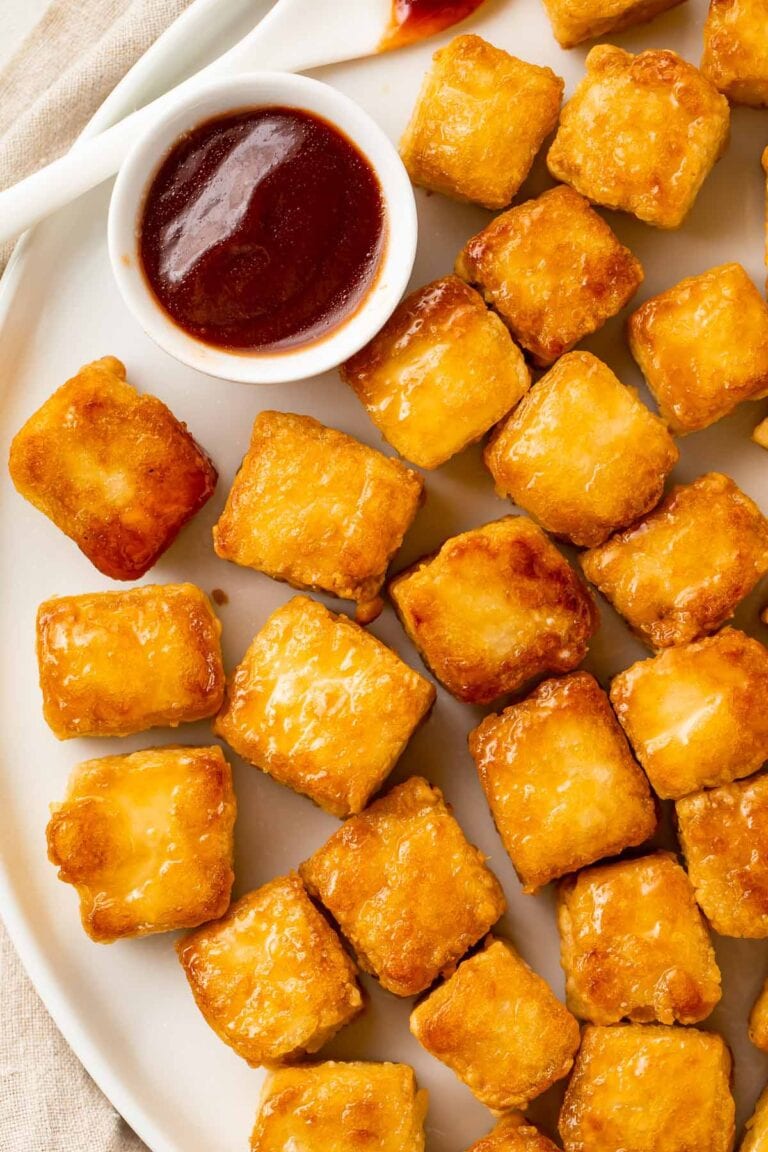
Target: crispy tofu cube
x,y
405,887
499,1027
649,1088
736,50
514,1134
640,134
634,945
317,509
581,453
680,572
553,270
336,1107
724,836
695,715
574,21
439,374
146,840
307,695
756,1134
481,117
113,663
560,781
703,346
271,977
495,607
758,1023
115,471
760,434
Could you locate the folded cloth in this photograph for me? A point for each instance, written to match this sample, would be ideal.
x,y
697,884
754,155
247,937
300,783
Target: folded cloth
x,y
64,70
49,90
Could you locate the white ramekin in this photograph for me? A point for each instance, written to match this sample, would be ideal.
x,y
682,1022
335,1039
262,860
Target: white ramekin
x,y
237,93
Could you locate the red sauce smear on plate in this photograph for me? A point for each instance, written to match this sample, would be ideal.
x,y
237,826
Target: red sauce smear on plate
x,y
263,230
416,19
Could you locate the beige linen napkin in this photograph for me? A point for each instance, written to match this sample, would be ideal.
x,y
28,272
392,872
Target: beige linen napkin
x,y
52,86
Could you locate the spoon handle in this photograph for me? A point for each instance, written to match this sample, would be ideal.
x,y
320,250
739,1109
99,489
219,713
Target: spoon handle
x,y
341,30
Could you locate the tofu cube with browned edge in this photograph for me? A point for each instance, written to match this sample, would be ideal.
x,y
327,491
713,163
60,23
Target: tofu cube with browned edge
x,y
574,21
271,977
553,270
439,374
581,453
756,1131
758,1022
405,887
703,346
680,572
561,783
499,1027
651,1088
724,837
480,118
736,50
114,470
307,695
113,663
695,715
640,134
514,1134
146,840
335,1107
317,509
634,945
494,608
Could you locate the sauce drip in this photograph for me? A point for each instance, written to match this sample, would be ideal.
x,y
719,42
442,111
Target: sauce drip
x,y
262,230
417,19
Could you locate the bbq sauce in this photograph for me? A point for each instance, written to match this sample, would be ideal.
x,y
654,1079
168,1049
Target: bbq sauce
x,y
263,230
416,19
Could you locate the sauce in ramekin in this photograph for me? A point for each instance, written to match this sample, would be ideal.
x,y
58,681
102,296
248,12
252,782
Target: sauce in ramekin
x,y
263,230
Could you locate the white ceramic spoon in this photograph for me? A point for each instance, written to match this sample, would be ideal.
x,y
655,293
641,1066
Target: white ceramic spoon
x,y
294,36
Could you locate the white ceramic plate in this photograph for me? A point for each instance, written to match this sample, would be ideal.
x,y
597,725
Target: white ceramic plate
x,y
126,1008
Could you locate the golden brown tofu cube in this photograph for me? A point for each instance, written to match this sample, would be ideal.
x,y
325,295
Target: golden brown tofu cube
x,y
317,509
574,21
758,1022
581,453
553,270
760,434
481,117
634,945
756,1133
499,1027
495,607
405,887
724,836
703,346
271,977
307,695
736,50
146,840
681,571
560,781
334,1107
112,663
439,374
514,1134
649,1088
115,471
640,134
696,715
